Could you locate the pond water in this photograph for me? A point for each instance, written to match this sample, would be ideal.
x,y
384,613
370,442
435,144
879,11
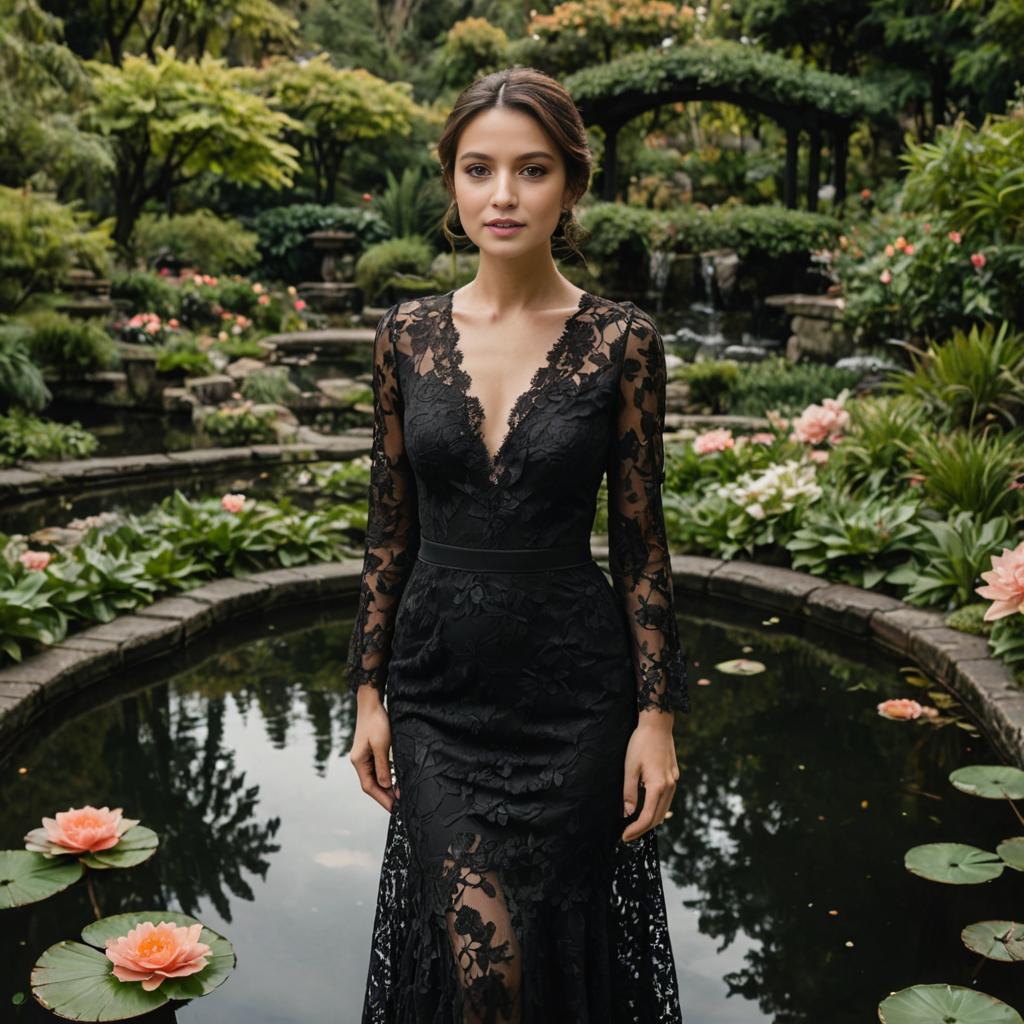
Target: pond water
x,y
783,858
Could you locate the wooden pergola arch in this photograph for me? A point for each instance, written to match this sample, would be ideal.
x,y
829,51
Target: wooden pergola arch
x,y
799,98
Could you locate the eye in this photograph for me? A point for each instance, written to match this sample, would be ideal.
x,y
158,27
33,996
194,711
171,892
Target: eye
x,y
536,167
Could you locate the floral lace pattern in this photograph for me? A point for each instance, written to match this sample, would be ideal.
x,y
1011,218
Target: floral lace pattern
x,y
506,892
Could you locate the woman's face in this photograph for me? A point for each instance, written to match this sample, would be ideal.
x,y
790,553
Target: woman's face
x,y
506,168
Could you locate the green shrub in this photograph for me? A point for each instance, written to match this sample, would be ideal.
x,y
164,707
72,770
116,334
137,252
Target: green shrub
x,y
238,348
972,378
67,345
709,382
382,262
975,473
40,240
777,383
27,437
186,357
200,239
239,425
285,250
21,382
145,292
270,386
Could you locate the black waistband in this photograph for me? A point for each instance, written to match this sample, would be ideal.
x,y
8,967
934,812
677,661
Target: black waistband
x,y
561,556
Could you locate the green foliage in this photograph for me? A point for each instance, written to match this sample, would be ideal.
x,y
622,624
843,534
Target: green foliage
x,y
965,471
269,386
27,613
69,346
237,348
285,249
971,379
40,240
856,542
21,382
747,72
413,205
239,425
472,47
875,455
146,292
949,560
25,437
386,260
710,382
171,120
184,356
776,383
200,239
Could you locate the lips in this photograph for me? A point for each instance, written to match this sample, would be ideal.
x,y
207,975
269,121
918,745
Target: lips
x,y
504,224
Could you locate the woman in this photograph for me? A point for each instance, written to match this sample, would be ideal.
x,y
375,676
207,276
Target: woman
x,y
529,704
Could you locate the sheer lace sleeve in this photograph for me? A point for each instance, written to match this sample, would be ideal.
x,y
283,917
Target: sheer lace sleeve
x,y
392,529
638,549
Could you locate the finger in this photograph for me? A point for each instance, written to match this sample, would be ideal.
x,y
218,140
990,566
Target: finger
x,y
383,769
630,792
648,816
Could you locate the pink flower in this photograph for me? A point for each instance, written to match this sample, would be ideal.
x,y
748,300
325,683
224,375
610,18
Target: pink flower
x,y
152,952
1004,584
263,299
916,479
890,251
257,287
241,319
173,323
367,197
865,193
762,437
165,272
908,250
900,708
955,237
978,259
81,830
885,276
820,422
197,279
300,304
232,502
818,455
35,560
900,243
713,441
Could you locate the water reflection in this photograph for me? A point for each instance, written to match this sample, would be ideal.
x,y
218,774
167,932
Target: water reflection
x,y
795,800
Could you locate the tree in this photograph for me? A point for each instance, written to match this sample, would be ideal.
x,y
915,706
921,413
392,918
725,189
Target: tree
x,y
171,121
331,108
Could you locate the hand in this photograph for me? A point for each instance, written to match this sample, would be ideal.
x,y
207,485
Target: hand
x,y
371,746
651,757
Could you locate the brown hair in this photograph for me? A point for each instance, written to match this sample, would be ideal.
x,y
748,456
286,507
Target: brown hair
x,y
542,97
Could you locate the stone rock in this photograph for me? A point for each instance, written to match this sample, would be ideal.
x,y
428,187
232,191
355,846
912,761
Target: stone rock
x,y
211,390
242,368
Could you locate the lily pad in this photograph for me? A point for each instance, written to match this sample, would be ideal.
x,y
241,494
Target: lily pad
x,y
992,781
221,956
740,667
945,1004
27,877
77,982
1012,852
954,863
997,940
138,844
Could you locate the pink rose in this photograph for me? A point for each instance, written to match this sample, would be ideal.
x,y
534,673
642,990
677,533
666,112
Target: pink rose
x,y
367,197
955,237
900,708
865,193
173,323
1004,584
908,250
818,455
978,259
762,437
300,304
885,276
81,830
152,952
35,560
818,422
233,502
890,251
713,441
263,299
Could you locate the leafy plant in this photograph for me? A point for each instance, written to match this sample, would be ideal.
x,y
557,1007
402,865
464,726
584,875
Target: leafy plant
x,y
238,425
70,346
271,386
376,267
859,543
197,239
21,382
24,437
971,379
949,559
143,291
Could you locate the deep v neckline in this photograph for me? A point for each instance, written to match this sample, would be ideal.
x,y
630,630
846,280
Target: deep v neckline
x,y
520,407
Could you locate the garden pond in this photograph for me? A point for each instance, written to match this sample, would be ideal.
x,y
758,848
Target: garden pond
x,y
782,859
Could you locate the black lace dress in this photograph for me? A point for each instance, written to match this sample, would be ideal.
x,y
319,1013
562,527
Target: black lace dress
x,y
507,893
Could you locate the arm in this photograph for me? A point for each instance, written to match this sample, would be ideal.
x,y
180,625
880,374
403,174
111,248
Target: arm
x,y
638,549
392,529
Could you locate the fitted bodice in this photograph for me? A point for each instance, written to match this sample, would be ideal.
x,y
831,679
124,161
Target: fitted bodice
x,y
594,408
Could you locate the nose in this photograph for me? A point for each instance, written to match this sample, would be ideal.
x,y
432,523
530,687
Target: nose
x,y
503,192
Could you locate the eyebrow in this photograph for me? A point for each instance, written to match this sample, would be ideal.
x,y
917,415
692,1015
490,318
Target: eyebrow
x,y
524,156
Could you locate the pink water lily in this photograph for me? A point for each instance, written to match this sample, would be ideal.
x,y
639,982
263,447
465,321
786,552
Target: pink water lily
x,y
1004,584
79,830
713,441
900,708
151,953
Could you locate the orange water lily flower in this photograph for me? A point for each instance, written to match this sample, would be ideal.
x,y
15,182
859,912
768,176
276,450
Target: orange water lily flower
x,y
79,830
151,953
